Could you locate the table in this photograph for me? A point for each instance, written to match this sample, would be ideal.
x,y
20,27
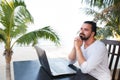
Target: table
x,y
31,70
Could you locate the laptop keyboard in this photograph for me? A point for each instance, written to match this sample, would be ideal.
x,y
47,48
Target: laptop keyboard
x,y
57,68
60,66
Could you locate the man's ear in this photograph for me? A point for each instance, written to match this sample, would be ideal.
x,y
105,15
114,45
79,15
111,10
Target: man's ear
x,y
93,33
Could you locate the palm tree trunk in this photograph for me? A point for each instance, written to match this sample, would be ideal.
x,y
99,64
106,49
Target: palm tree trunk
x,y
8,68
8,72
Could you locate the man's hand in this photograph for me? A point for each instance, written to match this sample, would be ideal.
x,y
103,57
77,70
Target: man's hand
x,y
78,42
76,52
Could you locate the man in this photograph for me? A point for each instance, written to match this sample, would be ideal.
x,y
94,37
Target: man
x,y
91,54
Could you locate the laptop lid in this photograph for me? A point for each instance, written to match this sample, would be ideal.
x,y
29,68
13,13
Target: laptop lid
x,y
43,59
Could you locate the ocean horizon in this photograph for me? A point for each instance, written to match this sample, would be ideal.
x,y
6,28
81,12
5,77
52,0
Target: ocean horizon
x,y
29,52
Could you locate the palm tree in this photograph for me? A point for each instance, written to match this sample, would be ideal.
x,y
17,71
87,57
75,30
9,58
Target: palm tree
x,y
108,15
100,3
14,18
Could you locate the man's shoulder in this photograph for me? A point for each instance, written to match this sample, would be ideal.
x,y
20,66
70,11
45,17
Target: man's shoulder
x,y
99,43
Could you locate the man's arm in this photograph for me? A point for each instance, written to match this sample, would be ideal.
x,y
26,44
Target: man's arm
x,y
72,55
76,52
78,43
80,57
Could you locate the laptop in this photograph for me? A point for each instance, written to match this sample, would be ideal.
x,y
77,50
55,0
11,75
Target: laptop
x,y
54,66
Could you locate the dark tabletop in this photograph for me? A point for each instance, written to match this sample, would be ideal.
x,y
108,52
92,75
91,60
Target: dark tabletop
x,y
31,70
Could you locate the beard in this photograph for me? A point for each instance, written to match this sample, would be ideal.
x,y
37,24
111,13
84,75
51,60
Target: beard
x,y
83,37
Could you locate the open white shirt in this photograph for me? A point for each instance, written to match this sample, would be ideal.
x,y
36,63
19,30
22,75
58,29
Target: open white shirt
x,y
96,63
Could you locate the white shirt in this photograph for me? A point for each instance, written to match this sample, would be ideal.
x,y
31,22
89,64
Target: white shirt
x,y
96,63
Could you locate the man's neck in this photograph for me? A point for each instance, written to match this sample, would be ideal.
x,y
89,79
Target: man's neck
x,y
89,42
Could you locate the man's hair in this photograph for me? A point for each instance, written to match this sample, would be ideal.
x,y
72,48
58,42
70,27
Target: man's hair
x,y
94,27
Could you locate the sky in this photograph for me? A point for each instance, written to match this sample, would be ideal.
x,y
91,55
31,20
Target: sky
x,y
63,16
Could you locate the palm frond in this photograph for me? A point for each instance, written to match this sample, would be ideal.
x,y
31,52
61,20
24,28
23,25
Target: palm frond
x,y
22,15
100,3
2,36
14,17
18,30
105,32
88,11
32,37
6,12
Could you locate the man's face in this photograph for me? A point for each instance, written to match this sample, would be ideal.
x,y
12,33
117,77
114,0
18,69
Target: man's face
x,y
86,31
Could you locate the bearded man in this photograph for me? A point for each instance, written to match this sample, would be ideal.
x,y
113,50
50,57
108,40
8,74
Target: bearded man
x,y
91,54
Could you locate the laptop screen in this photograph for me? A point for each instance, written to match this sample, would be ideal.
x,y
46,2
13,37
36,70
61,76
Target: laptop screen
x,y
43,59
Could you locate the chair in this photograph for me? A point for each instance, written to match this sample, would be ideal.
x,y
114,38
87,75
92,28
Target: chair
x,y
114,57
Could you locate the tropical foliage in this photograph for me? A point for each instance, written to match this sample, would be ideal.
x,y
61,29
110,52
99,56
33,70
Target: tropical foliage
x,y
107,12
14,20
